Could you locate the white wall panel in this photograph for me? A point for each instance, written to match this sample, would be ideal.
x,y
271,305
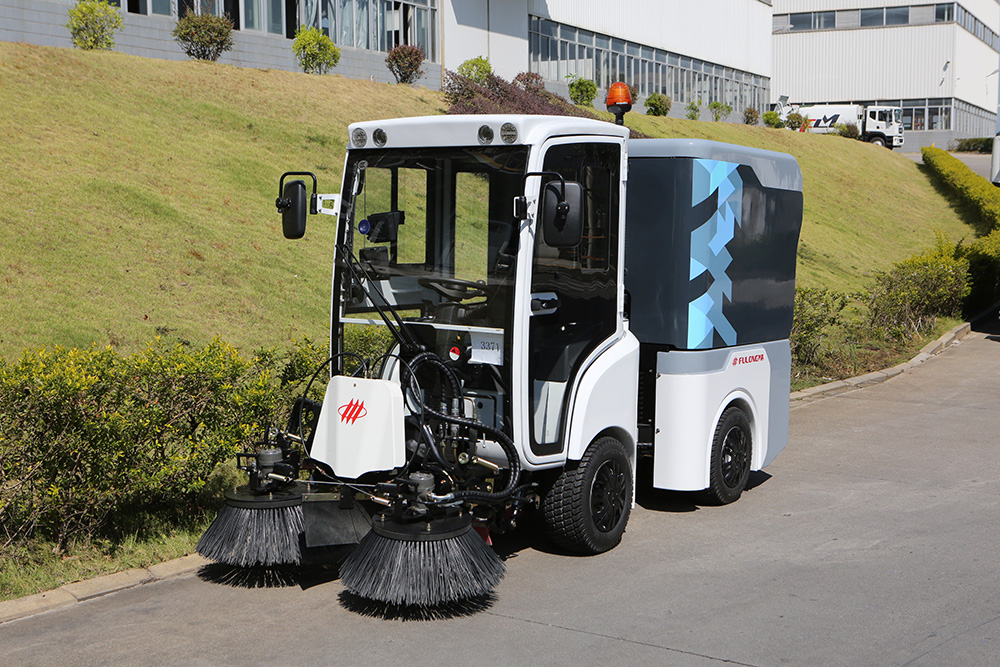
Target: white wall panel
x,y
839,65
495,29
735,33
974,64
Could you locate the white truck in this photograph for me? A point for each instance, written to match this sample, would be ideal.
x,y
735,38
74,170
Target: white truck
x,y
562,301
879,125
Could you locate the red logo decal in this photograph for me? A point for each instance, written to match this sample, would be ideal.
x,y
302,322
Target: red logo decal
x,y
352,412
752,359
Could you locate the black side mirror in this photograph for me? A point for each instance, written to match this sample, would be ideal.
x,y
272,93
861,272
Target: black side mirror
x,y
293,213
562,214
292,204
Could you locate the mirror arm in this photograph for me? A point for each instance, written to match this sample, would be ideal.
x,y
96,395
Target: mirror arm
x,y
562,183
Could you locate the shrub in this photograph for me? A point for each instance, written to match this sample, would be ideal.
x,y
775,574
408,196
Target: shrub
x,y
907,299
315,52
815,310
975,145
405,61
204,36
693,110
92,24
476,69
719,110
496,95
581,91
773,119
794,121
657,104
849,130
751,116
530,82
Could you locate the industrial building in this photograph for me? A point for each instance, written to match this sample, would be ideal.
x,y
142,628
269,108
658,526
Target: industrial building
x,y
712,50
937,61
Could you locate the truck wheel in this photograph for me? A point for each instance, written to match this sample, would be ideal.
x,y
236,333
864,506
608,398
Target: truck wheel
x,y
586,509
877,141
731,449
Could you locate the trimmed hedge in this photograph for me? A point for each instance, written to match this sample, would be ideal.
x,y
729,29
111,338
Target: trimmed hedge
x,y
975,145
94,444
982,254
969,186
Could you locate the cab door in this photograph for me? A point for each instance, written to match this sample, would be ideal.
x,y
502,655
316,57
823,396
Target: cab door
x,y
574,291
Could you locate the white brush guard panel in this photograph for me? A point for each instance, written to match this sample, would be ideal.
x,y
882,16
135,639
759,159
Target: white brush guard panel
x,y
360,427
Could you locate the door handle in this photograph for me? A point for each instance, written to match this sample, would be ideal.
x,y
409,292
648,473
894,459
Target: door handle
x,y
544,303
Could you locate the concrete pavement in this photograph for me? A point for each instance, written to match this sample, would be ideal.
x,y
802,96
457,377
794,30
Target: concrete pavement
x,y
871,540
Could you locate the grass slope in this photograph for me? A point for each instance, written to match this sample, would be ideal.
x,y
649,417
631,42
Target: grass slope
x,y
138,197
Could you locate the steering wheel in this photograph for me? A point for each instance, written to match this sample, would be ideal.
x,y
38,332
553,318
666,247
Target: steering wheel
x,y
455,289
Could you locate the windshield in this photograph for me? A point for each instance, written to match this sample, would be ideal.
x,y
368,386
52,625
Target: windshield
x,y
897,115
434,232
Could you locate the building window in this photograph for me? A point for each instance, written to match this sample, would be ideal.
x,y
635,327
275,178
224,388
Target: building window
x,y
801,21
897,15
872,17
557,50
824,20
944,13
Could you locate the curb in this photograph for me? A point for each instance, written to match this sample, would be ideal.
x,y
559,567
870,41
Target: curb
x,y
933,348
112,583
79,591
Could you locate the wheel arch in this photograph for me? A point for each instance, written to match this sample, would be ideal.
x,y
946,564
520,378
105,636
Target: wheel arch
x,y
741,399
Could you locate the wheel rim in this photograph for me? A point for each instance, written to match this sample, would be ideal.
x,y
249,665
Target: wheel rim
x,y
607,495
735,457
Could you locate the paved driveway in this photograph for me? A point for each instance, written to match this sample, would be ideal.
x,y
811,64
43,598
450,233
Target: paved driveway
x,y
873,540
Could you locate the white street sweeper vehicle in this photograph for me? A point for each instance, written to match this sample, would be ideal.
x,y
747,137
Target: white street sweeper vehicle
x,y
560,301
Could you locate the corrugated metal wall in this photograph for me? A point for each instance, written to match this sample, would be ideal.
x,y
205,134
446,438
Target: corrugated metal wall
x,y
865,64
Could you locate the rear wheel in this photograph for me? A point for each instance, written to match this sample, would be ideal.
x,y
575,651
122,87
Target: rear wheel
x,y
588,506
732,446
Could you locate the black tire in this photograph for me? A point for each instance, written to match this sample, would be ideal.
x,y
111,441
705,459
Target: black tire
x,y
586,509
732,447
877,141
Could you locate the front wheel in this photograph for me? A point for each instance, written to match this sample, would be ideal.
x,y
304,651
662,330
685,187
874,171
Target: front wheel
x,y
732,446
588,506
877,141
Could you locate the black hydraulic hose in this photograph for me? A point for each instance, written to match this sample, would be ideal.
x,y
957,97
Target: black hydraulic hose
x,y
435,360
508,449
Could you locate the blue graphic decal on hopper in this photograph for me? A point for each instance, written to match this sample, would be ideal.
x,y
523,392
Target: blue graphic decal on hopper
x,y
708,250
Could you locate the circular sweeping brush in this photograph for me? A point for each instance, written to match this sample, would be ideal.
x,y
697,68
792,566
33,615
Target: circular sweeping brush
x,y
256,529
421,563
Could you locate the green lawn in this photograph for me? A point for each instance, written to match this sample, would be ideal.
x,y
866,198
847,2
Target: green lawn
x,y
138,197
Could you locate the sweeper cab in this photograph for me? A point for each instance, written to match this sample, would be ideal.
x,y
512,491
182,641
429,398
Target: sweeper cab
x,y
555,301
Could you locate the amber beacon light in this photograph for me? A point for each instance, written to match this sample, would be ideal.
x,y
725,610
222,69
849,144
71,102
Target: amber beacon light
x,y
619,101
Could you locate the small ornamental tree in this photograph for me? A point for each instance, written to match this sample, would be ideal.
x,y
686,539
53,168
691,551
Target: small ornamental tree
x,y
773,119
657,104
405,62
476,69
92,25
693,110
719,110
315,52
204,36
794,121
750,116
581,91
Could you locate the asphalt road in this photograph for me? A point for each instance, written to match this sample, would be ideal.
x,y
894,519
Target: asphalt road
x,y
872,540
979,163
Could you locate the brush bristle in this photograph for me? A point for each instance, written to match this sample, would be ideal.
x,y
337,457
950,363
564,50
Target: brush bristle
x,y
431,572
245,537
